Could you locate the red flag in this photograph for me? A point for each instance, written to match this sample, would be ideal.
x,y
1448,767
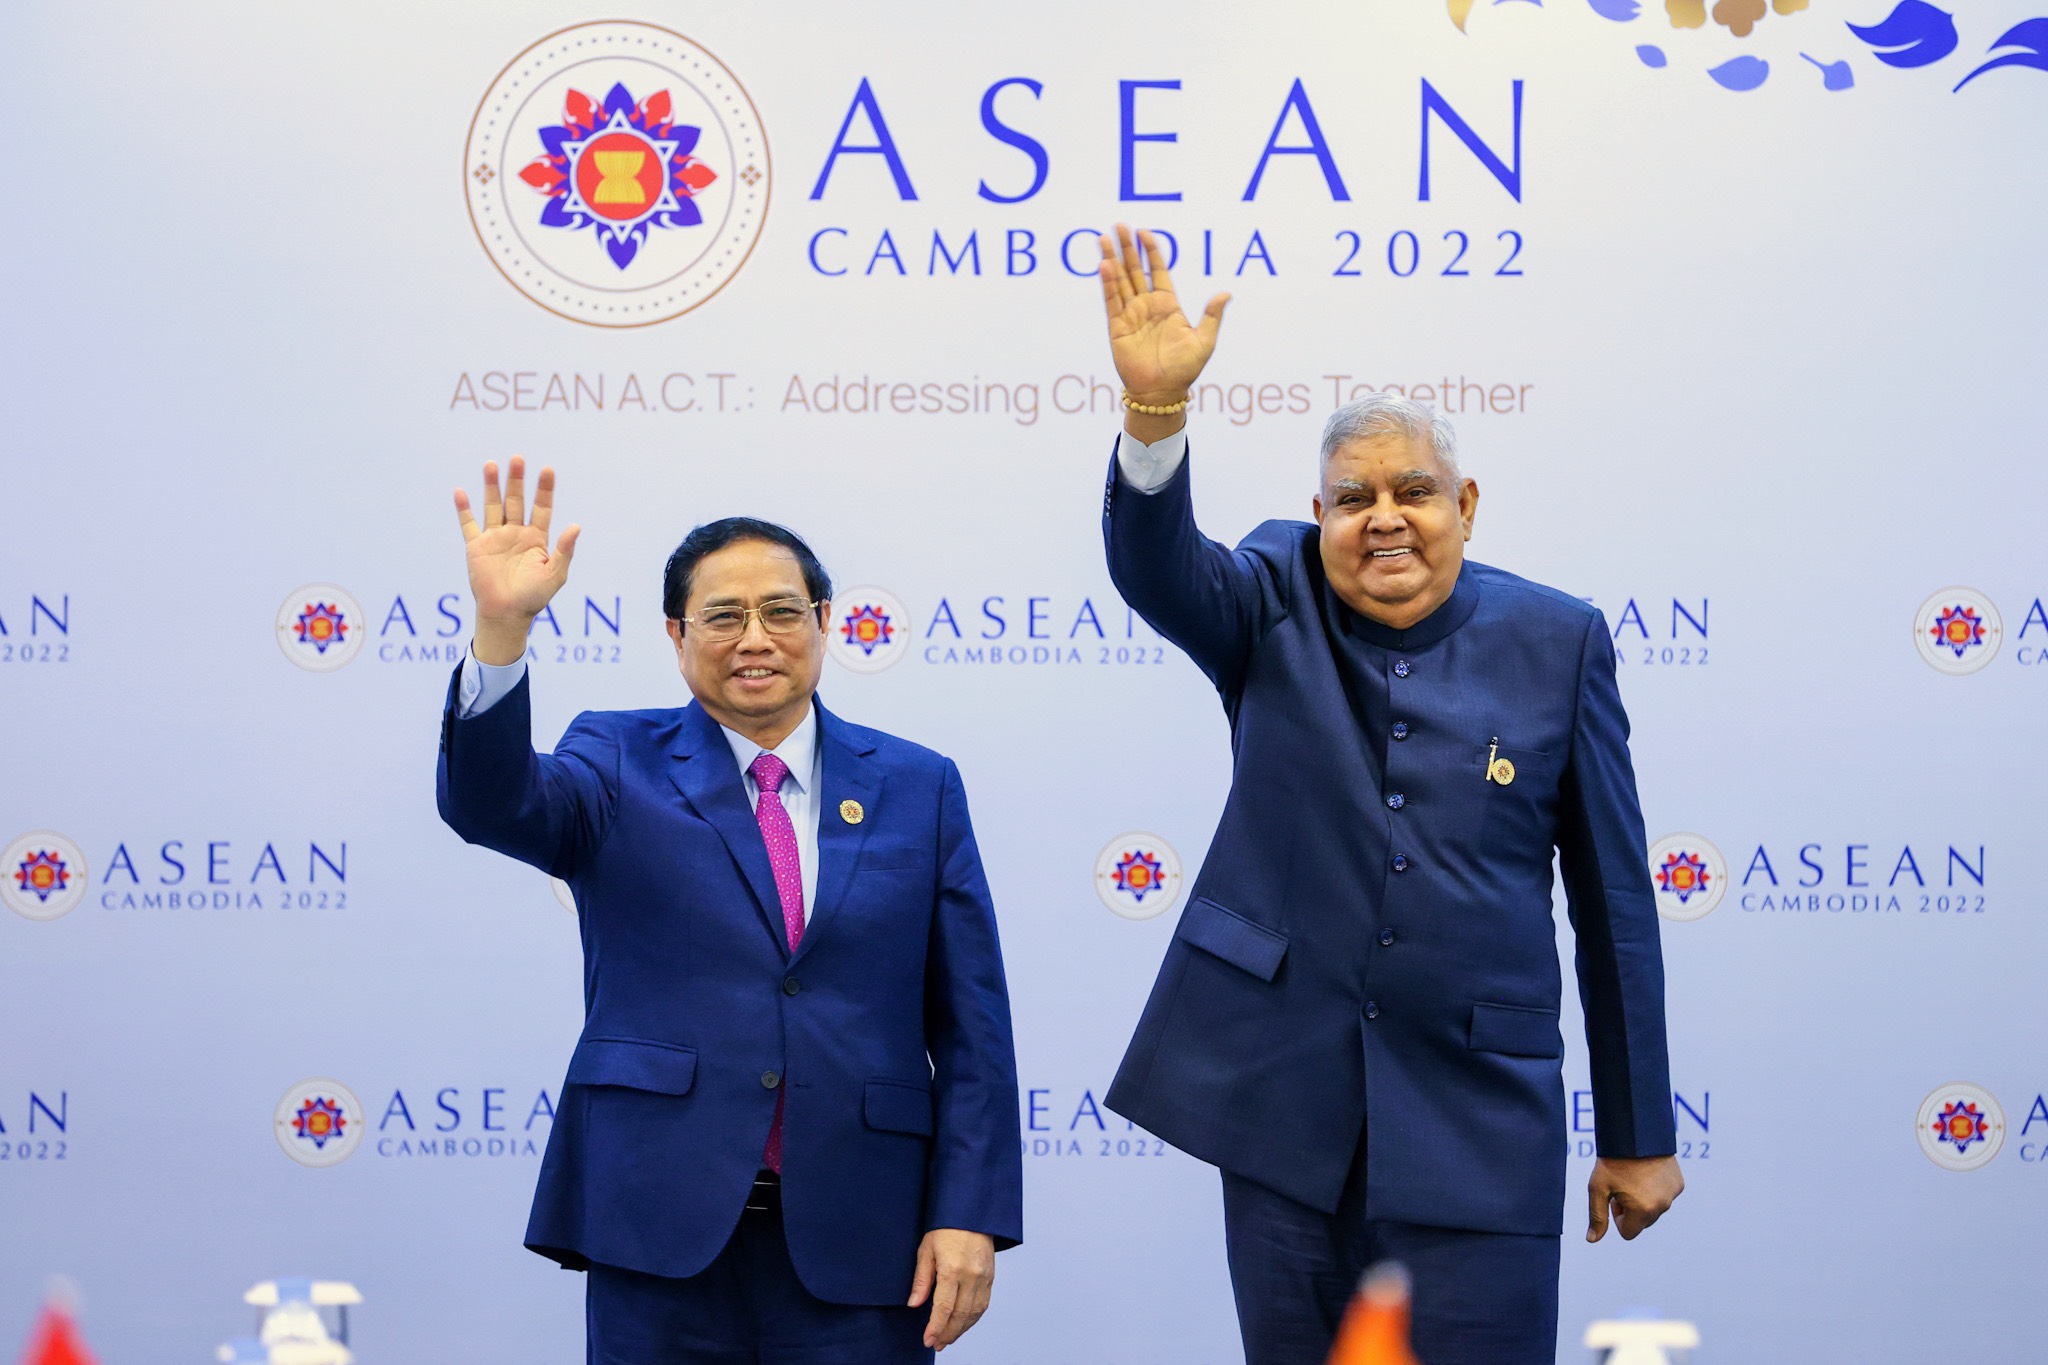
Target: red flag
x,y
1375,1327
56,1341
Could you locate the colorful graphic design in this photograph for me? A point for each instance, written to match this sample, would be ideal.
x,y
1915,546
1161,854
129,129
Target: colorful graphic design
x,y
41,874
320,1121
1958,630
1915,34
1138,875
617,174
1961,1127
321,624
1690,877
621,167
868,627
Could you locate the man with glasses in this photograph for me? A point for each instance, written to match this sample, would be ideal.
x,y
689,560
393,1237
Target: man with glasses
x,y
789,1130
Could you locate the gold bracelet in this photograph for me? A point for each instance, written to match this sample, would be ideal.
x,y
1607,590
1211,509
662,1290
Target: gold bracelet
x,y
1151,411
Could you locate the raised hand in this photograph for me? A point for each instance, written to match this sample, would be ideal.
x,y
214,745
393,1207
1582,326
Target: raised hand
x,y
1158,353
512,575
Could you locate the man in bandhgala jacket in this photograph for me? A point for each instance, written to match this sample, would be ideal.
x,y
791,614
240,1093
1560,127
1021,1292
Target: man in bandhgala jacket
x,y
1357,1018
791,1119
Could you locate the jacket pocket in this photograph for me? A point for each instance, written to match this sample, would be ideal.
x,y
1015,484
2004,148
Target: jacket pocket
x,y
634,1064
1517,1030
899,1107
1247,946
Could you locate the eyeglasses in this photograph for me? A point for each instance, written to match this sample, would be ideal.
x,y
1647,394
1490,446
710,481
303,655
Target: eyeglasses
x,y
780,616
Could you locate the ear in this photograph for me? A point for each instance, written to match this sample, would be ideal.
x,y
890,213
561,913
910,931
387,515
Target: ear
x,y
1316,505
675,634
825,617
1468,504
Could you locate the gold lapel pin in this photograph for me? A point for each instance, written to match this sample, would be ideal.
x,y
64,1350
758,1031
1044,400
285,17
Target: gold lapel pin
x,y
851,813
1498,769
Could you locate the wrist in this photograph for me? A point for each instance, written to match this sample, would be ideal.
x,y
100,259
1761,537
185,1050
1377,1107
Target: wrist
x,y
500,641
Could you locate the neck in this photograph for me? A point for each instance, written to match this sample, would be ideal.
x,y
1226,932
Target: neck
x,y
1402,615
766,731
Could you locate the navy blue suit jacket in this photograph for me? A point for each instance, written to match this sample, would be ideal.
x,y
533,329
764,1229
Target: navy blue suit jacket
x,y
1369,945
888,1029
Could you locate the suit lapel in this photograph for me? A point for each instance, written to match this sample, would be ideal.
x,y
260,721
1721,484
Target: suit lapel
x,y
703,770
850,774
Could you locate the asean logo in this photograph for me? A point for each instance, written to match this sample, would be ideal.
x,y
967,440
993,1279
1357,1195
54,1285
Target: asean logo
x,y
42,875
1961,1127
1690,876
1137,875
617,174
319,1122
320,627
1958,630
870,629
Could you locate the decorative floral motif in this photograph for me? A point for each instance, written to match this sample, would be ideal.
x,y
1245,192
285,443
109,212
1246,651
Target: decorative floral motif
x,y
621,167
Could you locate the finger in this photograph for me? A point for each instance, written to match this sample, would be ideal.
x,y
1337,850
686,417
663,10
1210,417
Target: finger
x,y
1112,288
921,1282
1156,260
515,492
565,550
1212,319
543,501
1634,1220
1113,272
942,1309
470,530
494,501
1596,1221
1133,272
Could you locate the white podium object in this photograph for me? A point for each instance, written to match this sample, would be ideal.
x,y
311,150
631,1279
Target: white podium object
x,y
1640,1341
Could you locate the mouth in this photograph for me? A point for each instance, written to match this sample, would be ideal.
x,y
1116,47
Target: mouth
x,y
755,674
1393,554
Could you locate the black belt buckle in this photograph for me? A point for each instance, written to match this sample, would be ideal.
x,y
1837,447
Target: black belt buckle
x,y
766,1196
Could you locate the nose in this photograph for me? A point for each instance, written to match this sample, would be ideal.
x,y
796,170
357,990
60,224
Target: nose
x,y
755,638
1386,516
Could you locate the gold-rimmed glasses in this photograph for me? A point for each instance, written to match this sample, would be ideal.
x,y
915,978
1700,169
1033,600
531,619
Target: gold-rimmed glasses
x,y
778,616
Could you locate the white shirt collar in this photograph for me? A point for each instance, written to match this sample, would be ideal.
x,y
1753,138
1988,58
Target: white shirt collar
x,y
799,749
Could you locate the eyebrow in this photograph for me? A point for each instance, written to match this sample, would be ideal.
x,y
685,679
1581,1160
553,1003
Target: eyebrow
x,y
1400,480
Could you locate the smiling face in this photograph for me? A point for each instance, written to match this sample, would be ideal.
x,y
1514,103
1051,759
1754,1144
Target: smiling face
x,y
759,684
1394,528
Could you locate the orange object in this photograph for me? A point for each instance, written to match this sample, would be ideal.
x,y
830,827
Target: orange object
x,y
56,1341
1375,1327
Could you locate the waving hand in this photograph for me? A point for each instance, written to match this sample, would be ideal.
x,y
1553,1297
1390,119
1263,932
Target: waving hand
x,y
512,575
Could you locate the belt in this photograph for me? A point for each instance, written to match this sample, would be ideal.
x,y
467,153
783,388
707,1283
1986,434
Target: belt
x,y
766,1196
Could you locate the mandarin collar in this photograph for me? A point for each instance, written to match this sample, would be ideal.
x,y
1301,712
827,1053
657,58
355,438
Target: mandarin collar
x,y
1455,611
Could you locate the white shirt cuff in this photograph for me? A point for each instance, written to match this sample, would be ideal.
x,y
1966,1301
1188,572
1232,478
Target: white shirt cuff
x,y
484,685
1146,468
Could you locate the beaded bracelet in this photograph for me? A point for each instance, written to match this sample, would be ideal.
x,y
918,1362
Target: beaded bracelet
x,y
1152,411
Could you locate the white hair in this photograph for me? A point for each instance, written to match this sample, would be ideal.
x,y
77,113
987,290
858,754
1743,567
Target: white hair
x,y
1380,415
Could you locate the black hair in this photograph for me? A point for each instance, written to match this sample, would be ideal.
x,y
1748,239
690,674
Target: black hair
x,y
716,535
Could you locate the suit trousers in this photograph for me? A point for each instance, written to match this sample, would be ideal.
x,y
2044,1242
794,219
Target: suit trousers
x,y
1480,1298
746,1308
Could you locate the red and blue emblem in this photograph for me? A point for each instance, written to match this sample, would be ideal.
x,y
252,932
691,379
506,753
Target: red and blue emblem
x,y
868,627
322,624
1684,874
1959,1124
42,874
320,1120
1138,873
1959,628
621,167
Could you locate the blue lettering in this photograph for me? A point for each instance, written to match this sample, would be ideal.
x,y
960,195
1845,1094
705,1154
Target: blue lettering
x,y
318,856
1433,103
885,250
591,609
1698,623
1316,146
2039,1111
398,1107
987,609
969,249
397,613
490,1109
1255,249
121,862
816,237
1631,613
164,853
1087,1109
1086,614
268,859
1034,618
1034,1109
1129,138
1804,850
1698,1115
1856,864
542,1105
59,1118
1760,860
1022,248
39,608
454,1114
2034,613
1956,860
454,617
943,614
1905,864
1041,164
215,862
884,145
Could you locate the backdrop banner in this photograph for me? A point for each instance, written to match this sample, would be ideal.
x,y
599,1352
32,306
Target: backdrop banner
x,y
1738,317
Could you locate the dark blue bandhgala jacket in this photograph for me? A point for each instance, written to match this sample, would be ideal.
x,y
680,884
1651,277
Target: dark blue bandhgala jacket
x,y
1369,945
888,1029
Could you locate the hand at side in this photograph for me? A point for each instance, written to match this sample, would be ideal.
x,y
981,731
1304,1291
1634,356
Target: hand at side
x,y
955,1270
1637,1189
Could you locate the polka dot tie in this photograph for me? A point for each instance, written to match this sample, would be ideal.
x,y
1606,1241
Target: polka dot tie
x,y
779,834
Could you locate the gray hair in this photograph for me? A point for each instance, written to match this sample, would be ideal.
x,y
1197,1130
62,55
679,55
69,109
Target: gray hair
x,y
1380,415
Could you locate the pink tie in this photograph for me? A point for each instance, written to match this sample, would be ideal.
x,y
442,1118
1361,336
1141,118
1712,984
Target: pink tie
x,y
780,836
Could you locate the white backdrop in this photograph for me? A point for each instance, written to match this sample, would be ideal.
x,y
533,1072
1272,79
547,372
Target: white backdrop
x,y
1767,381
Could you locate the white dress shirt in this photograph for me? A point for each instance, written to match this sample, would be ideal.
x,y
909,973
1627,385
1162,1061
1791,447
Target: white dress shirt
x,y
1146,468
484,685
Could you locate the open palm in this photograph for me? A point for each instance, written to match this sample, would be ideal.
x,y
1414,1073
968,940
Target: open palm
x,y
1157,352
512,575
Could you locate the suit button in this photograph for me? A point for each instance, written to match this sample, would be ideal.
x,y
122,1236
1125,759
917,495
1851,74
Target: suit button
x,y
790,986
770,1079
1372,1009
1395,800
1400,729
1400,862
1400,668
1386,938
